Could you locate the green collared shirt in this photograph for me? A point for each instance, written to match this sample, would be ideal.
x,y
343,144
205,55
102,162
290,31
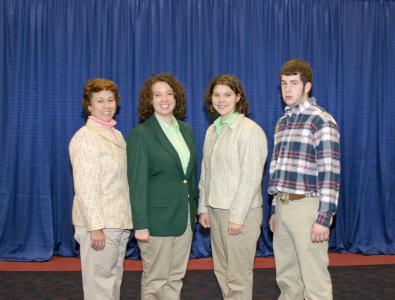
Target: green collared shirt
x,y
219,123
173,133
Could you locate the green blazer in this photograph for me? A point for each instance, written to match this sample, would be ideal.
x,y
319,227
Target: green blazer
x,y
159,189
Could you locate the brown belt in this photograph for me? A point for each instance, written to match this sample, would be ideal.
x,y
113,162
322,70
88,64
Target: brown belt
x,y
285,197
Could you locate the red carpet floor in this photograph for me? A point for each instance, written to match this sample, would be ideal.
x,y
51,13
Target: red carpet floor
x,y
73,264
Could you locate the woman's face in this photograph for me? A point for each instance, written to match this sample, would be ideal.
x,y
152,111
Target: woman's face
x,y
103,105
224,100
163,99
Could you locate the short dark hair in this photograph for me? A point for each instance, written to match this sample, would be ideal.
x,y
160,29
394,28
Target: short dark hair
x,y
235,85
145,99
94,86
298,66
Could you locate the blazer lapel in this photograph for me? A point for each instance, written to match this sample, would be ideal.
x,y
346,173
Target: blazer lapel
x,y
191,145
164,141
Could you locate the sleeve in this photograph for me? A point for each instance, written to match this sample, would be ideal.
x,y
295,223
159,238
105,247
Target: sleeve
x,y
328,165
202,208
138,172
252,146
85,161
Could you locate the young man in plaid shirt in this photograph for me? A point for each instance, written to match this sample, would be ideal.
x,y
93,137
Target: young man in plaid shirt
x,y
304,182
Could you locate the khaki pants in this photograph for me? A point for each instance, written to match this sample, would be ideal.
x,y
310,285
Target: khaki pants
x,y
233,256
165,261
301,265
102,270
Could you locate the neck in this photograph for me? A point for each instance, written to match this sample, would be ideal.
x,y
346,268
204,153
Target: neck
x,y
166,119
224,118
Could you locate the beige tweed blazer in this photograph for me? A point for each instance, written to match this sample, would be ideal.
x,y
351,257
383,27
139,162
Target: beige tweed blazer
x,y
232,168
98,159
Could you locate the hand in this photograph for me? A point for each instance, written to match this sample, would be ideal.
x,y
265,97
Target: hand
x,y
98,239
204,220
319,233
142,235
272,222
234,229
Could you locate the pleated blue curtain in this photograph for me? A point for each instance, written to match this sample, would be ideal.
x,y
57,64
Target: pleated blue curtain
x,y
49,48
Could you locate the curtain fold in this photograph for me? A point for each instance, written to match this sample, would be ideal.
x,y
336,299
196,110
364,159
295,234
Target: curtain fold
x,y
50,48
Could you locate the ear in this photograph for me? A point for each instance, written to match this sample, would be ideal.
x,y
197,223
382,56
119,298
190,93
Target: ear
x,y
307,87
89,108
238,97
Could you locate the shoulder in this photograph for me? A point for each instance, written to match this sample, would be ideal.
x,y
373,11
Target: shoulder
x,y
248,125
83,136
185,125
321,117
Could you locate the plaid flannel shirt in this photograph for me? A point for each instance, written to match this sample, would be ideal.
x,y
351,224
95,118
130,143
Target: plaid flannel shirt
x,y
306,157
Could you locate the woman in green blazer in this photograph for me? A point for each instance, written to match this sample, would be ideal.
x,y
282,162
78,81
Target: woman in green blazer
x,y
162,178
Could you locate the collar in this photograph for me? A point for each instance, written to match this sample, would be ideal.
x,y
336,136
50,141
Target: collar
x,y
220,123
300,108
164,125
107,125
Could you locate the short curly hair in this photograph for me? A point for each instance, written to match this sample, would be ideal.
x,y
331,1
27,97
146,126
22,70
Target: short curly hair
x,y
145,99
94,86
235,85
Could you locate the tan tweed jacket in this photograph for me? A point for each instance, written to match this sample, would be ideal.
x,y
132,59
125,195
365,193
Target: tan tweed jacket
x,y
232,168
98,158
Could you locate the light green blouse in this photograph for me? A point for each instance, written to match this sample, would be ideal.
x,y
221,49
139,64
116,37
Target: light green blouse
x,y
173,133
220,123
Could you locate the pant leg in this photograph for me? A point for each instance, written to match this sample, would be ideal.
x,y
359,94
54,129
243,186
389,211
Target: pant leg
x,y
165,262
99,268
313,257
236,261
123,241
241,255
180,252
302,272
218,232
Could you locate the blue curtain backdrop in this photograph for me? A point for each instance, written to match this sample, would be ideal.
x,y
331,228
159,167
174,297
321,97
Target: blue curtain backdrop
x,y
49,48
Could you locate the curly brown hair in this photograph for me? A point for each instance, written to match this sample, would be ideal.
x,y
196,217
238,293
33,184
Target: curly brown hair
x,y
94,86
145,99
235,85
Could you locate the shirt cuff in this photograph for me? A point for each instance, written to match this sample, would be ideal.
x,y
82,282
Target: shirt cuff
x,y
324,219
273,210
202,210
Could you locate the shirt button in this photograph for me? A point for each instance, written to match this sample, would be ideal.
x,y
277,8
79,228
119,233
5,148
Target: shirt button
x,y
189,196
185,181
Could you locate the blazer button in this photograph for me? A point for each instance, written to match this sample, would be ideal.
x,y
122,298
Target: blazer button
x,y
185,181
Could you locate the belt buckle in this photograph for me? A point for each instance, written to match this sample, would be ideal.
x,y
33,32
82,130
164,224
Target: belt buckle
x,y
284,198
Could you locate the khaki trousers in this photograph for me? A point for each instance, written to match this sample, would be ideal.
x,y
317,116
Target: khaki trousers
x,y
165,261
233,256
102,270
301,265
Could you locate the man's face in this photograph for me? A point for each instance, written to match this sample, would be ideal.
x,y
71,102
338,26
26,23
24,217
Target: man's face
x,y
293,90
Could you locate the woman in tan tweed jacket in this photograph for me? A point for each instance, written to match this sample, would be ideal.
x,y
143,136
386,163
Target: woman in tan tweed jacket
x,y
234,154
101,208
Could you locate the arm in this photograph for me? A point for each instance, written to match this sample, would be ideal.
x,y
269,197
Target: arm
x,y
84,156
204,219
328,165
137,160
252,146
